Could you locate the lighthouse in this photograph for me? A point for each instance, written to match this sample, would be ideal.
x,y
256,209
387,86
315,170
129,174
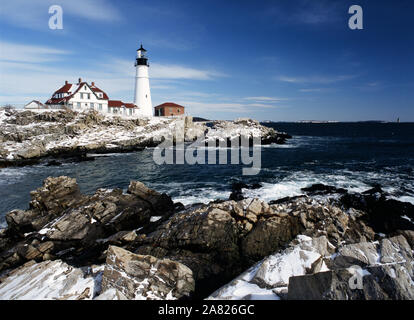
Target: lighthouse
x,y
142,96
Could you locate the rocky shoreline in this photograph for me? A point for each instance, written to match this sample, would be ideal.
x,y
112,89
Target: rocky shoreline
x,y
28,137
141,245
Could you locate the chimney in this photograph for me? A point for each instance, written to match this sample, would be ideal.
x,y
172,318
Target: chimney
x,y
93,84
66,81
80,80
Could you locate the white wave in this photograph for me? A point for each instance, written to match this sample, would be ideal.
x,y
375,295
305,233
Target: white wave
x,y
205,195
12,175
409,199
292,185
279,146
108,154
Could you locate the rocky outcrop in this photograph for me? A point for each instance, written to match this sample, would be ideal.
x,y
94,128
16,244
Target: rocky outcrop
x,y
270,277
314,269
62,222
222,133
145,277
362,271
151,248
27,135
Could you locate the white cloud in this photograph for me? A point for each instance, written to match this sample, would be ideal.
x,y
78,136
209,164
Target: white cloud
x,y
316,79
26,70
35,13
29,53
264,99
161,71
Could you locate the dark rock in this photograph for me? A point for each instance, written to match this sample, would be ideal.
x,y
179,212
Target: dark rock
x,y
160,203
61,215
383,215
53,163
236,190
48,202
383,282
285,199
270,235
318,188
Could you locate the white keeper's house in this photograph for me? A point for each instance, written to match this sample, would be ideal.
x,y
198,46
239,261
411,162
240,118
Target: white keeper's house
x,y
83,96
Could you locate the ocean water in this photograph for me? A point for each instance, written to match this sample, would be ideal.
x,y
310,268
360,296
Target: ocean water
x,y
354,156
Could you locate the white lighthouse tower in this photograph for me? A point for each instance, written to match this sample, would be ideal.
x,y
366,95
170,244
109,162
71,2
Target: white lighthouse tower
x,y
142,96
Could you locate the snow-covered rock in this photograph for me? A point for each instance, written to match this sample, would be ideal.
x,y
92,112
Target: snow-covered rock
x,y
270,277
49,280
26,134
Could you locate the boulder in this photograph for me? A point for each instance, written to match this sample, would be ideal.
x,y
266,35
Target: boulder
x,y
205,239
161,203
48,202
395,249
361,254
382,214
383,282
301,258
146,277
269,235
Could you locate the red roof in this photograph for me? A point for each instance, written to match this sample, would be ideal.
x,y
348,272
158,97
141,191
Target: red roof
x,y
119,104
69,86
64,89
96,89
169,104
115,103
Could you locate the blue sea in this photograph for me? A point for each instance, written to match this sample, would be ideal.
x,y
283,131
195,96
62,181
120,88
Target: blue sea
x,y
354,156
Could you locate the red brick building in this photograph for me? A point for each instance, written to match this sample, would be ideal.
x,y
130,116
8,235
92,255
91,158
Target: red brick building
x,y
169,109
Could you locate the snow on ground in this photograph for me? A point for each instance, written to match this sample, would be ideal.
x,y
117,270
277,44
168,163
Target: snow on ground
x,y
48,280
272,272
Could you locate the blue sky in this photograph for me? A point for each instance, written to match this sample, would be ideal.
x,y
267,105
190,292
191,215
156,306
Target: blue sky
x,y
269,60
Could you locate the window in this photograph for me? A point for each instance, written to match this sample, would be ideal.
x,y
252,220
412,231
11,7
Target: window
x,y
100,106
89,96
86,88
81,95
78,104
92,105
130,112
